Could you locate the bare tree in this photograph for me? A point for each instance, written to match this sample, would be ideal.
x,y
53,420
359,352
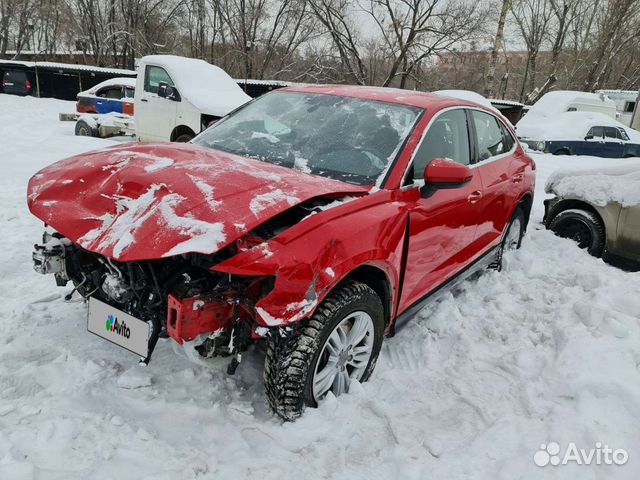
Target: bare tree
x,y
489,89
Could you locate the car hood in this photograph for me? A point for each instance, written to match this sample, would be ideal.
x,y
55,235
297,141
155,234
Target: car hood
x,y
139,202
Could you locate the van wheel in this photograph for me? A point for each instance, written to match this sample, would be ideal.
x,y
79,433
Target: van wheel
x,y
83,129
339,344
562,151
184,138
583,227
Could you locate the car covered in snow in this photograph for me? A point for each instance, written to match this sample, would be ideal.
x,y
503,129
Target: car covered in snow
x,y
317,219
581,133
177,97
597,208
113,95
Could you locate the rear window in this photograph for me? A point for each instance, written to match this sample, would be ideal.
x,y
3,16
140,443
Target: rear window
x,y
15,76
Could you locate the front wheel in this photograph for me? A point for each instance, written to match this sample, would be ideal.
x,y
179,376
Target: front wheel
x,y
583,227
339,344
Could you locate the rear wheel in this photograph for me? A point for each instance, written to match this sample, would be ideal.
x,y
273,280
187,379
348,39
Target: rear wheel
x,y
562,151
339,344
185,137
512,239
583,227
83,129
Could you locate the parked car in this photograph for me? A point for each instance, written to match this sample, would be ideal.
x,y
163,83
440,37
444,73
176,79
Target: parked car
x,y
15,82
317,219
113,95
176,97
598,208
583,133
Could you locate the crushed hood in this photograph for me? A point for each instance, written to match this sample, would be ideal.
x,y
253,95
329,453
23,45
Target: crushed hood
x,y
148,201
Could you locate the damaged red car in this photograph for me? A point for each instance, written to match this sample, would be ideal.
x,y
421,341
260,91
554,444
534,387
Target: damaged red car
x,y
316,219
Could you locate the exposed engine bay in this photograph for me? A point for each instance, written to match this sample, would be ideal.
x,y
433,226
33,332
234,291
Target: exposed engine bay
x,y
181,296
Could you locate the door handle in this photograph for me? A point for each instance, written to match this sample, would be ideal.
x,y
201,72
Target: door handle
x,y
517,178
474,197
144,100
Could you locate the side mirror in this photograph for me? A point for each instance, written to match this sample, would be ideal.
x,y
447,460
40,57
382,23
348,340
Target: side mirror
x,y
168,92
443,173
588,137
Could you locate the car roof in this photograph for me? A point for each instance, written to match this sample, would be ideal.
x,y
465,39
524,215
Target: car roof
x,y
385,94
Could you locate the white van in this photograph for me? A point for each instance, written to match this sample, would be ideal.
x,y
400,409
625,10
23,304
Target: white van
x,y
177,97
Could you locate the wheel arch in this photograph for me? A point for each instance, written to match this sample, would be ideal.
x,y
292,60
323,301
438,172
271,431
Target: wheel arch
x,y
376,278
181,130
526,203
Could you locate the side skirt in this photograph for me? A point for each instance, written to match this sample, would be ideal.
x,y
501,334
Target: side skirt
x,y
479,265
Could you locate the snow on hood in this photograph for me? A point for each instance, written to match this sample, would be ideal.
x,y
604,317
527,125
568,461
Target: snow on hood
x,y
209,88
569,126
137,202
119,81
600,186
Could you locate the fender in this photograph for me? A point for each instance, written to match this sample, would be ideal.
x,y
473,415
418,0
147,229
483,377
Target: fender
x,y
305,272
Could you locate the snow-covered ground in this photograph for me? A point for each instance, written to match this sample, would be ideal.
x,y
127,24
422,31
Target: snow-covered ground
x,y
547,350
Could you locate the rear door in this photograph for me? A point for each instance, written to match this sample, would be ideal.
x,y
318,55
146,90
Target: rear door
x,y
442,223
501,167
155,116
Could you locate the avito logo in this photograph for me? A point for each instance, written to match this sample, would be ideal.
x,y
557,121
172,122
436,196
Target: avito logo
x,y
119,328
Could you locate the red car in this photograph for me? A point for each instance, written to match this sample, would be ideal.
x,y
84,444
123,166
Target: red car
x,y
315,218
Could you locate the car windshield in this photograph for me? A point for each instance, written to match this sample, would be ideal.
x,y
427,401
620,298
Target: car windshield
x,y
343,138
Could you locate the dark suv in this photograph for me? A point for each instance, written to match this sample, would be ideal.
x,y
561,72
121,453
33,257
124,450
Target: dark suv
x,y
15,82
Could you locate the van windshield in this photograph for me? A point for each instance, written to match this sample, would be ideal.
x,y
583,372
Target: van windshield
x,y
343,138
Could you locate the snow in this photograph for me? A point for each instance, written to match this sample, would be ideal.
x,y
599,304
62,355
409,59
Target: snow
x,y
553,103
269,199
209,88
545,350
601,185
469,96
118,81
569,126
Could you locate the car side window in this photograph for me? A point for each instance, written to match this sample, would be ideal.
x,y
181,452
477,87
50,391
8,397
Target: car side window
x,y
447,137
490,134
622,135
129,92
508,139
153,76
611,132
596,132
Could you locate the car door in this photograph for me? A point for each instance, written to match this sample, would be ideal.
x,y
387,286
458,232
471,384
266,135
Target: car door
x,y
593,142
501,166
442,222
155,116
613,144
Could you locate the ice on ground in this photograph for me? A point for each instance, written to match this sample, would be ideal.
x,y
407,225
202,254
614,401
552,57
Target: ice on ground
x,y
546,350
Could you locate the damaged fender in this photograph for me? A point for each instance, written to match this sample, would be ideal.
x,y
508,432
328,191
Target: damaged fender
x,y
306,271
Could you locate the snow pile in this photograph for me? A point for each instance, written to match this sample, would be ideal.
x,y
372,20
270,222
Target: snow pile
x,y
270,199
571,126
546,350
209,88
600,186
553,103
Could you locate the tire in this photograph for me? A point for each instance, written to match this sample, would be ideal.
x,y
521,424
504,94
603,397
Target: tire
x,y
184,138
562,151
512,237
83,129
584,227
292,363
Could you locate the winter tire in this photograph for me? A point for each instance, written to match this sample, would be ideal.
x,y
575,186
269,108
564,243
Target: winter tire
x,y
512,238
184,138
562,151
83,129
340,343
584,227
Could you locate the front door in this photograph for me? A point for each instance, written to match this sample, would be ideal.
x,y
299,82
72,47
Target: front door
x,y
442,223
155,116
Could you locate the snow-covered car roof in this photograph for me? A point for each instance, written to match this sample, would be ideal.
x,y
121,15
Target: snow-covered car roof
x,y
209,88
553,103
571,126
469,96
599,186
112,82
